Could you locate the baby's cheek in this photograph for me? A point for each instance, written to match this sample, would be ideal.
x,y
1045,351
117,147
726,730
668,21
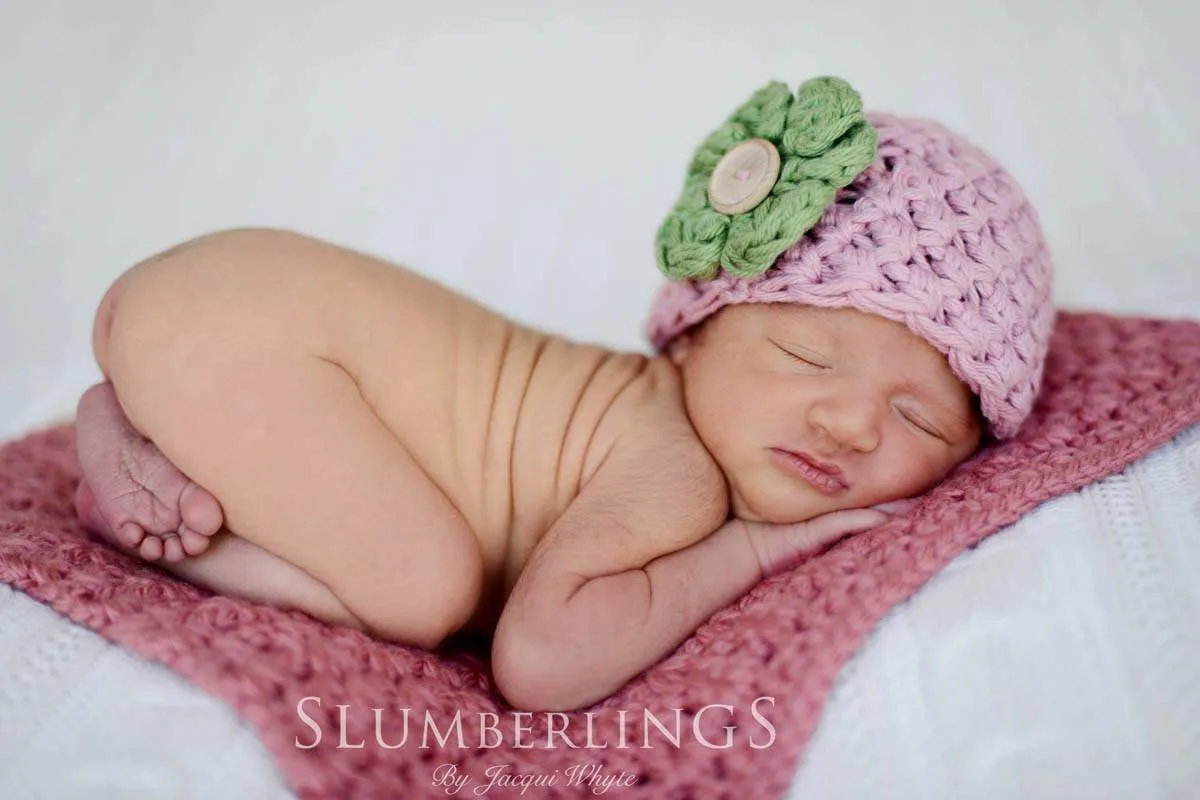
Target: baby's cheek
x,y
913,470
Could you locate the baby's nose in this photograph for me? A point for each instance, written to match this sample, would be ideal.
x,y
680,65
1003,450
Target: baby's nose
x,y
851,422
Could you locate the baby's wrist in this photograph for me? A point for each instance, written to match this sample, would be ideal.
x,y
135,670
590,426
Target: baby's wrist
x,y
747,545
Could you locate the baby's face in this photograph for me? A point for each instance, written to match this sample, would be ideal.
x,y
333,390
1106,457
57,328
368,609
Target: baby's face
x,y
764,382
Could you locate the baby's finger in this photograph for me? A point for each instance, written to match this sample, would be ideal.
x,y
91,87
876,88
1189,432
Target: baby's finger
x,y
788,545
897,507
828,528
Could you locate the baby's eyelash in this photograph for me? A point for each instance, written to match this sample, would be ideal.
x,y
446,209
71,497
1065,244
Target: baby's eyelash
x,y
918,423
799,358
914,421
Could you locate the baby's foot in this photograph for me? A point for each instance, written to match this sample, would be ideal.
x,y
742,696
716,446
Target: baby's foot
x,y
131,493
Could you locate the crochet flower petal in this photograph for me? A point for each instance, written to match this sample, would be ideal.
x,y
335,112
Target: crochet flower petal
x,y
764,116
758,237
690,240
825,108
839,165
821,140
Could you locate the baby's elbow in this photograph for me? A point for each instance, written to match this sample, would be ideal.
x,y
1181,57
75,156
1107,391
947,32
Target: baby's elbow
x,y
520,670
533,673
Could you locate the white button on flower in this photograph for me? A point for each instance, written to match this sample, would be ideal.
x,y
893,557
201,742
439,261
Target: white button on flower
x,y
744,177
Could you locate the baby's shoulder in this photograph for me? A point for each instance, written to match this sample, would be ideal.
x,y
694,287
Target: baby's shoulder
x,y
660,445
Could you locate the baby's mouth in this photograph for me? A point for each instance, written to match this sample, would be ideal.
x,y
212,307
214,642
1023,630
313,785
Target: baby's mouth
x,y
828,480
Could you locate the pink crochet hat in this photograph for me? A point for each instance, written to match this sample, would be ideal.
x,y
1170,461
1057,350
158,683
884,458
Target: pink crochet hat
x,y
933,233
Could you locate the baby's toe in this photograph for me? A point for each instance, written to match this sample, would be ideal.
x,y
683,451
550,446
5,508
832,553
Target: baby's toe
x,y
193,543
151,548
200,510
173,548
131,534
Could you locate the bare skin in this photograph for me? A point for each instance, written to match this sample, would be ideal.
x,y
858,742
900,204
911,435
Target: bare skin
x,y
303,425
146,503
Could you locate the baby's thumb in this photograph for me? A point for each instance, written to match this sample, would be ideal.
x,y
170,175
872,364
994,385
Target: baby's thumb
x,y
787,545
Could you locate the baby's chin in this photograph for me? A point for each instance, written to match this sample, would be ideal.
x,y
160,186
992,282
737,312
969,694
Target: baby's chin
x,y
756,504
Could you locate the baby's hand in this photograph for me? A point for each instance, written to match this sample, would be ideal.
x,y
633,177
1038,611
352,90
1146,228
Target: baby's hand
x,y
780,547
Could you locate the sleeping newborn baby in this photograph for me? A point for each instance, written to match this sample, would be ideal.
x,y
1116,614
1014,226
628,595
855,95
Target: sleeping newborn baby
x,y
855,303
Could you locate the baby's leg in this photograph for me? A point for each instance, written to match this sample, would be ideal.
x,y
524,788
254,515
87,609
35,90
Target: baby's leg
x,y
140,495
308,476
233,566
225,373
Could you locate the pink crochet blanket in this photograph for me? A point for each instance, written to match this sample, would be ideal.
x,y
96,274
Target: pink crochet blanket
x,y
755,676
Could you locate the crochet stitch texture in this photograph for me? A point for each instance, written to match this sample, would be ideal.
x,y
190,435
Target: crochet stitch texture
x,y
824,141
1115,388
934,234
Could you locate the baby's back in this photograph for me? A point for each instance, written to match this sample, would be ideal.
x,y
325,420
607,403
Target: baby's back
x,y
507,420
449,463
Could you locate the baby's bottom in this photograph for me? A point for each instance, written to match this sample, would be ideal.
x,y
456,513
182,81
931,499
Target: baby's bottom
x,y
331,513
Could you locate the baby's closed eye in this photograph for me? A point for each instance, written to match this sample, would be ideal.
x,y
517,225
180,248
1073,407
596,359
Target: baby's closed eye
x,y
802,355
920,424
805,356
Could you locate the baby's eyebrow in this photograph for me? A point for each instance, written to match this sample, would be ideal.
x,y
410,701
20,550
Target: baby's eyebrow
x,y
804,328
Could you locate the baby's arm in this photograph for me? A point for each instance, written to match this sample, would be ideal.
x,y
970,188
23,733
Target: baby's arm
x,y
629,571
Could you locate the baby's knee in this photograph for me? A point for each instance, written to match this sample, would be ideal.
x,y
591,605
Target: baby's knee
x,y
410,623
422,609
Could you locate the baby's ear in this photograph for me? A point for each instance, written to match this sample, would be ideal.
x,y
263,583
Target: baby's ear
x,y
679,348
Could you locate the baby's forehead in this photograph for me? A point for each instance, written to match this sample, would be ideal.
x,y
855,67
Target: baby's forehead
x,y
840,323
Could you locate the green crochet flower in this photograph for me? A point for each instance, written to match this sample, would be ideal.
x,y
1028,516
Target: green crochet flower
x,y
823,142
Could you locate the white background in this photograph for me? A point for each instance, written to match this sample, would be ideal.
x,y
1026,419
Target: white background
x,y
526,153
